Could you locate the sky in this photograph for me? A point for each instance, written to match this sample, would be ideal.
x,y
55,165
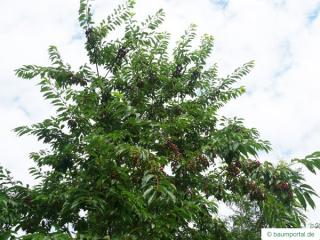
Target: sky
x,y
282,36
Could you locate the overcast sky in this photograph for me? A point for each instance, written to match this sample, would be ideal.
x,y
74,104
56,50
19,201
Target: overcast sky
x,y
282,36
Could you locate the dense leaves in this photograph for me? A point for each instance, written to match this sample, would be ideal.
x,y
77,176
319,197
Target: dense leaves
x,y
137,148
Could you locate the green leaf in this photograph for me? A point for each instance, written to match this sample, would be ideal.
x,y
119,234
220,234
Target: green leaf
x,y
309,200
147,178
152,197
146,193
301,198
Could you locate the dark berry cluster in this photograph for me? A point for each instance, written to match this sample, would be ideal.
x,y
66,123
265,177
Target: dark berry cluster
x,y
174,148
253,164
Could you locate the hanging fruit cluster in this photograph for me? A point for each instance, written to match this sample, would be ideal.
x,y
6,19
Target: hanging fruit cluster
x,y
233,170
198,163
254,191
176,154
253,164
282,186
257,195
283,189
174,148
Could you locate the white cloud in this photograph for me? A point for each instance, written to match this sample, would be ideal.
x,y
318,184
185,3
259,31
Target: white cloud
x,y
281,35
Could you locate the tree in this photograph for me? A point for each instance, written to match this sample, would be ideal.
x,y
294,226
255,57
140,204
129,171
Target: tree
x,y
137,148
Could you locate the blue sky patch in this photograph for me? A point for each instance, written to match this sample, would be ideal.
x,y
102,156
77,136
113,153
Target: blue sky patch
x,y
77,36
314,14
220,3
24,111
287,58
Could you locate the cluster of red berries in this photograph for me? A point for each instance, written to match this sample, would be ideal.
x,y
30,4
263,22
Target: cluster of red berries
x,y
257,195
203,161
198,164
174,148
233,170
252,165
255,192
283,186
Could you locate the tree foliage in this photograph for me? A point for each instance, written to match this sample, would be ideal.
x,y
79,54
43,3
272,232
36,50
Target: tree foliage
x,y
137,148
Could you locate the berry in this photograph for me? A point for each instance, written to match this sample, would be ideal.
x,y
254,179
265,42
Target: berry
x,y
88,32
233,170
